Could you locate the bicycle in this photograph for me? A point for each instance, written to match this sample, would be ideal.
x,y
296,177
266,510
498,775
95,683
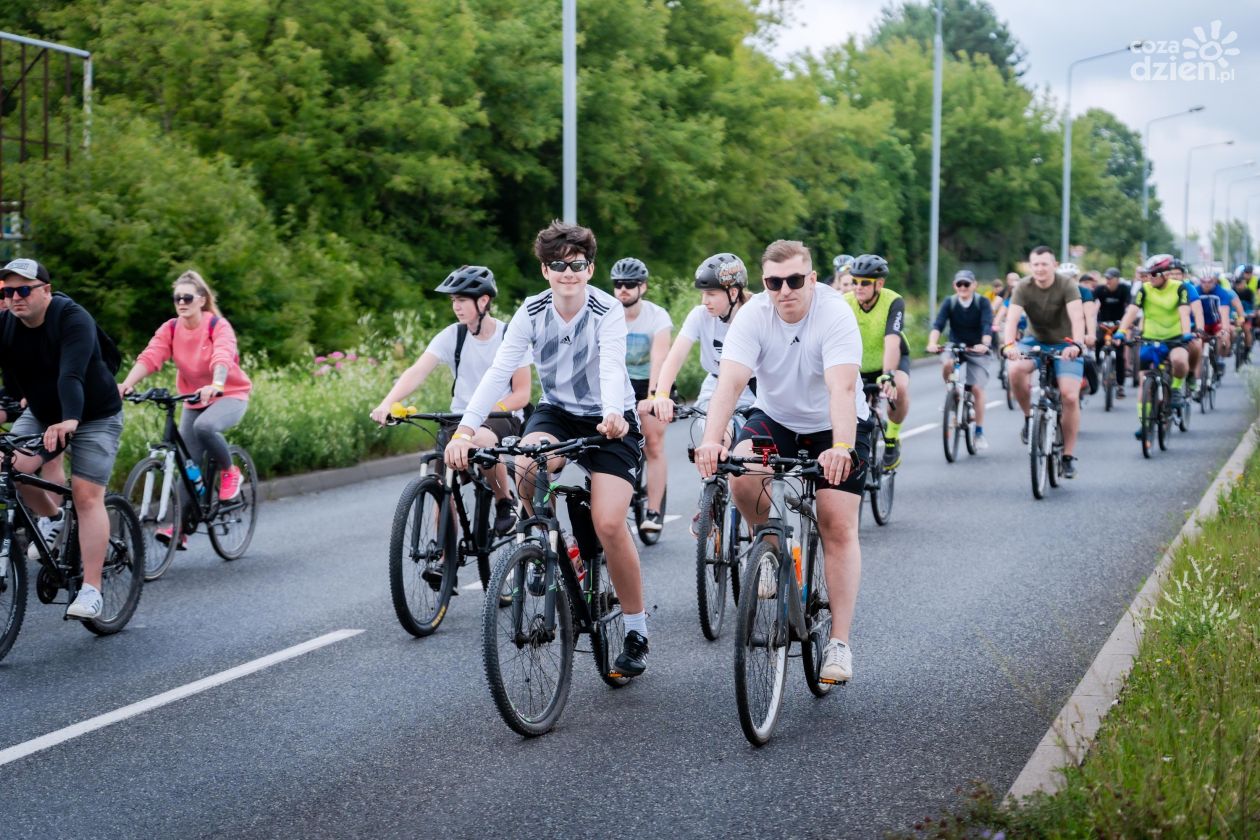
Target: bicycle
x,y
958,418
60,563
1045,439
1156,411
551,600
639,502
1211,370
151,489
432,536
785,592
880,481
1107,378
1242,352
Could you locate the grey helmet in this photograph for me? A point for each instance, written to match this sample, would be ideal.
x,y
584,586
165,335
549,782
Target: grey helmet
x,y
629,268
869,265
471,281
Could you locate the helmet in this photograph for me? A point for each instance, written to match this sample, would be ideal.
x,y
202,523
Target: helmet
x,y
841,262
1069,269
1159,263
470,280
722,271
964,274
628,268
869,265
1112,272
1178,264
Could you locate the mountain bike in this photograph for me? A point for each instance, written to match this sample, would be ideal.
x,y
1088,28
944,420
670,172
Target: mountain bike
x,y
1004,377
958,419
1211,371
1156,410
432,535
1107,378
153,489
1045,439
880,480
60,562
785,591
551,599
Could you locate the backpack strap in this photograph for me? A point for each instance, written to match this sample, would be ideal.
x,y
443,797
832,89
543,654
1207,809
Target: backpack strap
x,y
461,335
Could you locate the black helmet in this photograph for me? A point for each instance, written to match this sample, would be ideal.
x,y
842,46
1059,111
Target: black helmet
x,y
869,265
722,271
1112,272
470,280
1159,263
628,268
841,262
1179,265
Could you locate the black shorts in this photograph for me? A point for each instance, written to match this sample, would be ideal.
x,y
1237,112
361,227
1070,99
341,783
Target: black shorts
x,y
903,366
616,457
789,443
641,390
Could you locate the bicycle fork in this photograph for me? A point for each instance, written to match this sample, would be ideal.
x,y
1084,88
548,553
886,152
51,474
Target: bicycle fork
x,y
168,477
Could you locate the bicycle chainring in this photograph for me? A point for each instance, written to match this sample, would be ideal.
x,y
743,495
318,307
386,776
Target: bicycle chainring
x,y
46,588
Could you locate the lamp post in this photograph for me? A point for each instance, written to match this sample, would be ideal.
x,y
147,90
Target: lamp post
x,y
934,224
569,114
1229,192
1146,167
1067,147
1212,209
1185,211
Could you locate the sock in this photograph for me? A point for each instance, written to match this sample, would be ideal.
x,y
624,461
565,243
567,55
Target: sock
x,y
1177,382
979,430
892,431
636,621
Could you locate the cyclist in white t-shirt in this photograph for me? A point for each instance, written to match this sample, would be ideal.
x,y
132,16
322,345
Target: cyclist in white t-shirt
x,y
471,288
648,332
801,340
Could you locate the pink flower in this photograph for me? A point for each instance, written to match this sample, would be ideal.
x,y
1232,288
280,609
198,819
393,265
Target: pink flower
x,y
351,357
320,359
339,365
322,370
336,354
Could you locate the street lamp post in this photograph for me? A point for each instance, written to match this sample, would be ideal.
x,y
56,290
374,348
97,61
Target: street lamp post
x,y
1212,210
569,115
1146,168
1067,148
1185,211
1229,205
934,225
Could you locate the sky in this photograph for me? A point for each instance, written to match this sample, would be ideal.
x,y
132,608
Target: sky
x,y
1057,33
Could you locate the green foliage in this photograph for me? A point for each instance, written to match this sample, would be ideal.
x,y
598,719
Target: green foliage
x,y
968,26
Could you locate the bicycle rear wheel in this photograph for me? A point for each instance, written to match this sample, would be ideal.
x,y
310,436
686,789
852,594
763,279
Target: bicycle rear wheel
x,y
421,569
969,423
1163,416
640,516
122,579
1038,457
761,645
232,528
1148,414
882,485
711,568
817,609
143,489
610,626
528,667
1108,375
734,529
949,425
12,594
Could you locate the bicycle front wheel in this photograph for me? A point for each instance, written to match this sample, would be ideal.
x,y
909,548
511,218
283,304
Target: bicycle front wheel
x,y
232,528
12,595
123,575
949,425
761,645
817,609
143,489
610,626
528,664
1148,414
711,567
1038,457
883,482
421,569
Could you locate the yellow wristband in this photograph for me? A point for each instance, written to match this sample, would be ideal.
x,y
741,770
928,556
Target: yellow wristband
x,y
660,395
842,445
461,436
499,405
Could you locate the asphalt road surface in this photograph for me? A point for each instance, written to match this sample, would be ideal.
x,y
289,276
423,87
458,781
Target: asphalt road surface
x,y
980,611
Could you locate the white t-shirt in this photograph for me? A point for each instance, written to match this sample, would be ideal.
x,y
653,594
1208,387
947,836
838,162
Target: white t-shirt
x,y
474,359
789,359
639,334
710,334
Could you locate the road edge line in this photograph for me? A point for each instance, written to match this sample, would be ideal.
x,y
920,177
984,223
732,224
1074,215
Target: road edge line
x,y
1070,735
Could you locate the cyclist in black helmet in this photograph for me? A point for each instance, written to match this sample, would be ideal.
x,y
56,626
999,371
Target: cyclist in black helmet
x,y
881,317
467,347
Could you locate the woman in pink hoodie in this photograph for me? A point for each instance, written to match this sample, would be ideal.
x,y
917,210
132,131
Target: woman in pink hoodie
x,y
203,346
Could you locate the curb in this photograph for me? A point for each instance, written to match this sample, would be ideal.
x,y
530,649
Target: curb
x,y
315,482
1070,734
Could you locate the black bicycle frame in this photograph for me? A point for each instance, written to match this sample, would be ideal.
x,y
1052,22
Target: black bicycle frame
x,y
66,577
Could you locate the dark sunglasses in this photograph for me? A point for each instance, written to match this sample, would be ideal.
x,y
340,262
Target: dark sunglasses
x,y
572,265
626,284
962,284
21,291
184,298
863,281
794,281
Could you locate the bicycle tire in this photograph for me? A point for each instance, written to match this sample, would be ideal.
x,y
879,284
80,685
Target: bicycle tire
x,y
13,592
122,579
949,425
711,567
158,557
817,609
420,608
1163,417
1108,374
1187,408
1037,457
610,625
1054,463
734,535
761,647
519,713
882,491
237,519
1149,417
969,423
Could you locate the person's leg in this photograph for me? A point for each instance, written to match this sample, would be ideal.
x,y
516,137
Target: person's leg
x,y
548,424
38,502
209,426
947,367
897,412
1020,374
842,554
657,465
89,507
94,449
1070,394
610,501
1195,353
1181,362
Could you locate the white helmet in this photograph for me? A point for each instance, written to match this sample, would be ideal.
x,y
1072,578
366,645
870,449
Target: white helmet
x,y
1069,270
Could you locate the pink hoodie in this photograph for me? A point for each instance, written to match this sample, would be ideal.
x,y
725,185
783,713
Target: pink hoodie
x,y
196,356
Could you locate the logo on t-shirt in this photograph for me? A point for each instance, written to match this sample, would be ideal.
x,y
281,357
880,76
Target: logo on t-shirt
x,y
795,340
566,340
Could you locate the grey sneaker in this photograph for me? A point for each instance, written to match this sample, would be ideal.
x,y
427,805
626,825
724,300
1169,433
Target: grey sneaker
x,y
837,664
88,604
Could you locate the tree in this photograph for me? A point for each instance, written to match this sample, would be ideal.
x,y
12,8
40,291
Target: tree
x,y
968,27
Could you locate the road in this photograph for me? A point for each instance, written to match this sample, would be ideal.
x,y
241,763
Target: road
x,y
980,611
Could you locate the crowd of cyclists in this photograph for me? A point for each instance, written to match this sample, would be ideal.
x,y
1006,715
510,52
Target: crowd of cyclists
x,y
802,368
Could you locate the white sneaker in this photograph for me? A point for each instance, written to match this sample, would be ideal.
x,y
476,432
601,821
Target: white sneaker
x,y
767,580
50,529
87,605
837,664
982,442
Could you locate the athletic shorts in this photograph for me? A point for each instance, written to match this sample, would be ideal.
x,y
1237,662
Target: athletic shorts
x,y
641,390
976,369
1212,329
614,457
1153,355
93,446
1074,369
789,443
903,366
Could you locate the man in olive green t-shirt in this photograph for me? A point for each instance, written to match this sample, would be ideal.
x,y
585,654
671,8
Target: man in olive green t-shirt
x,y
1056,321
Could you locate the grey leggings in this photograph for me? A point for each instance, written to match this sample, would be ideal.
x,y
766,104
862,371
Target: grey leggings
x,y
202,430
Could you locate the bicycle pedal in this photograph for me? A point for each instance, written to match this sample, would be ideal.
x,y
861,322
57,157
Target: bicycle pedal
x,y
826,681
616,675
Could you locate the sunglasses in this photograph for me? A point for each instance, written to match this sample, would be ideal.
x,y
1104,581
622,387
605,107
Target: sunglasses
x,y
794,281
572,265
863,281
184,299
963,284
21,291
626,284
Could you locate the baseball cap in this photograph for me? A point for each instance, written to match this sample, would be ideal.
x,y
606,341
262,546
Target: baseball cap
x,y
1112,272
964,274
30,269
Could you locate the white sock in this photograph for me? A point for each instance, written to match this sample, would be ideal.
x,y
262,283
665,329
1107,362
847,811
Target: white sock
x,y
636,621
837,641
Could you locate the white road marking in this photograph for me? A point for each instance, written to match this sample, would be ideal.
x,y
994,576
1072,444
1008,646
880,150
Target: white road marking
x,y
52,739
670,517
469,587
918,430
992,403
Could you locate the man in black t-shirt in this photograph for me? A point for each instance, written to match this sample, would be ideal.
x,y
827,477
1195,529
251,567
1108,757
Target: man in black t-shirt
x,y
71,401
1113,298
969,317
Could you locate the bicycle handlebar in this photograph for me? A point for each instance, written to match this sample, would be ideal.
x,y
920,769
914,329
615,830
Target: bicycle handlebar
x,y
161,396
510,446
738,464
21,444
440,417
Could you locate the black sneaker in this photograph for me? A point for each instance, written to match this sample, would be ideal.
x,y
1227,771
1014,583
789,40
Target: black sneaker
x,y
892,453
432,575
1025,430
504,516
1120,392
652,521
1069,466
633,659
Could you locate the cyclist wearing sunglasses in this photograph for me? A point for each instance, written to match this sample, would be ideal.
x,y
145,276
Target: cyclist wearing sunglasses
x,y
969,316
70,393
578,337
881,316
468,348
648,332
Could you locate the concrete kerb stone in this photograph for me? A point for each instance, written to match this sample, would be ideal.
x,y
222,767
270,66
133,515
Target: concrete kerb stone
x,y
1069,737
315,482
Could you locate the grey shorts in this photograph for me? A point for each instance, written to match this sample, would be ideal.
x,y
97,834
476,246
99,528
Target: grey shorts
x,y
93,447
977,368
